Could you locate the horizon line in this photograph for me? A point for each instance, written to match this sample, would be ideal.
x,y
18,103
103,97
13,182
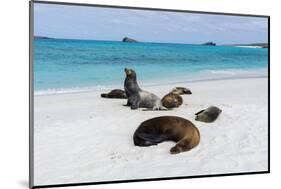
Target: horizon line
x,y
226,44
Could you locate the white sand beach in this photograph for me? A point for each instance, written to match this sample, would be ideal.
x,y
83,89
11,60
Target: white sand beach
x,y
81,137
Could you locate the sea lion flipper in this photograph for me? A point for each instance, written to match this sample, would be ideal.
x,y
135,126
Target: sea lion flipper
x,y
186,144
199,112
135,102
134,105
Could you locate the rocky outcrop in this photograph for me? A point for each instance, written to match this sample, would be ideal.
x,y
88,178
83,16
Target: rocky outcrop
x,y
210,44
129,40
41,37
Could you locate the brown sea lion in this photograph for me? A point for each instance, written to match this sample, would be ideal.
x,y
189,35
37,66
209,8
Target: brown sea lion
x,y
181,91
168,128
115,93
138,98
208,115
171,100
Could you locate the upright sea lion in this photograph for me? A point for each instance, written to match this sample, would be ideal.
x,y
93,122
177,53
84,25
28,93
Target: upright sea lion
x,y
181,91
115,93
165,128
171,100
138,98
208,115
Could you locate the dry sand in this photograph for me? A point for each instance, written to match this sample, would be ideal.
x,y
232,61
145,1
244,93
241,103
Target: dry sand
x,y
81,137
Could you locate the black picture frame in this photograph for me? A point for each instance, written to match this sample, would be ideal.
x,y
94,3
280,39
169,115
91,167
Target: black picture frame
x,y
31,94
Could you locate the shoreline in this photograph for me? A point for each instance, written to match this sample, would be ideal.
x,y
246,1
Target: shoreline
x,y
256,73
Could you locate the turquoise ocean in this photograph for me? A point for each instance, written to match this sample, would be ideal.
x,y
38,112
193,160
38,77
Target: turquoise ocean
x,y
63,65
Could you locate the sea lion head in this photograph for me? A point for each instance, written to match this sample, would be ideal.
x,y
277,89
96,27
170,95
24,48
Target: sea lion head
x,y
204,116
130,72
181,91
186,91
208,115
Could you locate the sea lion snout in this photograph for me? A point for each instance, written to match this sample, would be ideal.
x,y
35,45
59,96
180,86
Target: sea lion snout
x,y
187,91
128,71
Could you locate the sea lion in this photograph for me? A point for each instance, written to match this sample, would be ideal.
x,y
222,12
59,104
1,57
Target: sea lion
x,y
208,115
138,98
181,91
115,93
168,128
171,100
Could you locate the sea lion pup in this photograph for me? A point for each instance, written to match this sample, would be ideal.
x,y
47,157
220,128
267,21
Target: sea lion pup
x,y
171,100
168,128
208,115
138,98
115,93
181,91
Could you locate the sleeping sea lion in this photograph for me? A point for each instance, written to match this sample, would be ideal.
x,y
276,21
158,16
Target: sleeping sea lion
x,y
115,93
168,128
171,100
208,115
181,91
138,98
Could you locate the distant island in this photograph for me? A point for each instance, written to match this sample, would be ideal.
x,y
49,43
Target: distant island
x,y
42,37
129,40
261,45
209,43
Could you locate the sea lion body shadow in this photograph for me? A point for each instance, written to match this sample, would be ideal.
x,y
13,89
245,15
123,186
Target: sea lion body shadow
x,y
168,128
208,115
138,98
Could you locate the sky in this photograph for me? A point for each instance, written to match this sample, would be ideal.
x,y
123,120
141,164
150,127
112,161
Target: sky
x,y
96,23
